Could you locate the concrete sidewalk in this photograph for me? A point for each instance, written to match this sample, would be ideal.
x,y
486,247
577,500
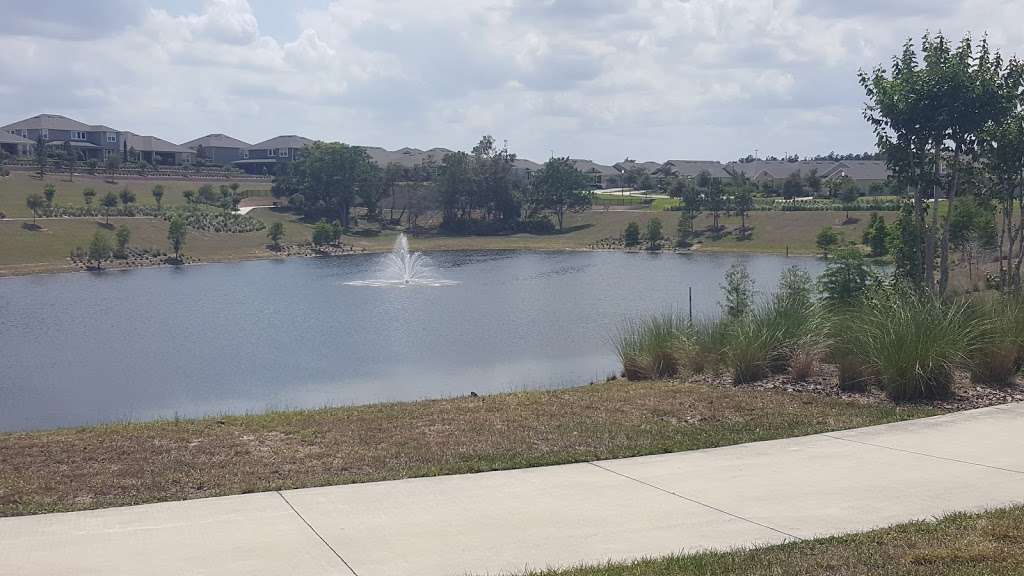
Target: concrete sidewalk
x,y
497,522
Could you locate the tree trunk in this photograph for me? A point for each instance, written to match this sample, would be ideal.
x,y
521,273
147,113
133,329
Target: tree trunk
x,y
561,216
950,198
929,232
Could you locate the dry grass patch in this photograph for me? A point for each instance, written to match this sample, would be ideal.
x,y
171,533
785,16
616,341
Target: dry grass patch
x,y
115,465
961,544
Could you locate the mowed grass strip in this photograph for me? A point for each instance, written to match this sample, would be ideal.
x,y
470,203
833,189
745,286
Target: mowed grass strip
x,y
989,543
134,463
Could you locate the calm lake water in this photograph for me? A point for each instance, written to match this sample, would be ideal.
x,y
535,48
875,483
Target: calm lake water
x,y
85,348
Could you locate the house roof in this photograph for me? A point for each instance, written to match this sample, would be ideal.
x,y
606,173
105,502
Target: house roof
x,y
216,141
8,138
861,169
524,164
649,167
153,144
591,167
691,168
72,143
55,122
407,157
780,169
285,141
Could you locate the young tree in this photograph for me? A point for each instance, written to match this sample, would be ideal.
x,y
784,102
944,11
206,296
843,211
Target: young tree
x,y
35,203
846,279
122,236
813,182
654,235
827,239
560,187
42,158
127,197
738,291
190,196
109,202
876,236
88,195
742,203
796,287
716,202
176,233
631,237
100,248
276,233
691,201
49,191
848,195
158,195
793,186
70,159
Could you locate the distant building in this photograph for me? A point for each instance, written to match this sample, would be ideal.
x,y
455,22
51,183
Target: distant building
x,y
406,157
219,149
266,155
94,142
602,176
774,172
15,145
693,168
867,174
155,151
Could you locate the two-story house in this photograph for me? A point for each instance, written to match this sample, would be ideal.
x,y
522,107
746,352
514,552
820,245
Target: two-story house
x,y
265,156
219,149
94,142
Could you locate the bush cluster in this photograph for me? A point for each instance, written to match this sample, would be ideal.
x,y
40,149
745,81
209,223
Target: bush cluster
x,y
216,221
909,345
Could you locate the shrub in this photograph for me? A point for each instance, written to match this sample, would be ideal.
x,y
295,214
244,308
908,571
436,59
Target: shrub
x,y
702,347
653,235
913,343
827,238
647,348
847,278
631,236
997,358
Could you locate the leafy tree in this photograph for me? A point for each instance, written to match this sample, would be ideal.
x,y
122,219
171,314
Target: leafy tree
x,y
323,233
35,203
848,194
176,234
793,186
715,202
742,203
158,195
560,187
654,235
108,202
122,236
127,197
691,201
846,279
329,176
297,201
276,233
827,239
100,248
631,237
813,182
876,236
904,242
49,191
88,195
189,195
796,287
42,158
738,291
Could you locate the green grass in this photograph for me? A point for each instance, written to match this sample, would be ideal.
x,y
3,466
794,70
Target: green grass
x,y
124,464
987,543
16,187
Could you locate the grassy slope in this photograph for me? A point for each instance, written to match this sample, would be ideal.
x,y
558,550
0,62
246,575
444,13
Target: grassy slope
x,y
960,544
125,464
16,187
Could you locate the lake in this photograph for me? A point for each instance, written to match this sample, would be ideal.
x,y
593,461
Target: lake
x,y
92,347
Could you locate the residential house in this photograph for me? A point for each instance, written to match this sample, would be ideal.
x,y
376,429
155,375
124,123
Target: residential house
x,y
266,155
154,151
627,165
14,145
406,157
525,169
692,168
602,176
219,149
870,176
94,142
774,172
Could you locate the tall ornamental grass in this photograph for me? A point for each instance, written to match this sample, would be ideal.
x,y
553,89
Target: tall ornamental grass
x,y
648,347
997,358
772,335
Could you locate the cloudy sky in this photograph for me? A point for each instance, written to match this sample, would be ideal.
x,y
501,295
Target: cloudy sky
x,y
600,79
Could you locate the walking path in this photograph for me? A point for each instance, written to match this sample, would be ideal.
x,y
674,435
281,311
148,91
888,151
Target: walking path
x,y
761,493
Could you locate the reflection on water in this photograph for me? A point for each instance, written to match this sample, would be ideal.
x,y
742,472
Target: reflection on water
x,y
246,337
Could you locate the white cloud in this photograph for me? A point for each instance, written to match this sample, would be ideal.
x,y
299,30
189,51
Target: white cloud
x,y
596,78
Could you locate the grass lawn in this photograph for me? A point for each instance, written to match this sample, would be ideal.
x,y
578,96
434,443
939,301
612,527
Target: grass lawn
x,y
991,542
134,463
14,189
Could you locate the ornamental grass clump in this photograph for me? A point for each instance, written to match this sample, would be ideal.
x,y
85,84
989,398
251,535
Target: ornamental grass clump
x,y
648,347
773,335
913,343
998,356
702,345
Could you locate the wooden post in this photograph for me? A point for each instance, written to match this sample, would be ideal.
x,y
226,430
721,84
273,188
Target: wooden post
x,y
690,290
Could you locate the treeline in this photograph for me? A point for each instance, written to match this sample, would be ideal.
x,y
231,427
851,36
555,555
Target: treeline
x,y
479,191
950,122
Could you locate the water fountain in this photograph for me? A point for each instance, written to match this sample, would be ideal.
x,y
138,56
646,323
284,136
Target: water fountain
x,y
403,268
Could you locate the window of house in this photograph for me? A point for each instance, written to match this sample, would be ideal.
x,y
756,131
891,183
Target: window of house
x,y
283,152
45,133
76,135
111,137
243,154
272,152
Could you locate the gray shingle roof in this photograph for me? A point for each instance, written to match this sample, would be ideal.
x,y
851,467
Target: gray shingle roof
x,y
691,168
406,157
285,141
780,169
591,167
153,144
8,138
216,141
862,169
55,122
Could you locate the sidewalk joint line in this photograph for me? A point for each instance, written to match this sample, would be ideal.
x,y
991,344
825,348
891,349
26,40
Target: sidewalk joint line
x,y
310,526
698,502
861,442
